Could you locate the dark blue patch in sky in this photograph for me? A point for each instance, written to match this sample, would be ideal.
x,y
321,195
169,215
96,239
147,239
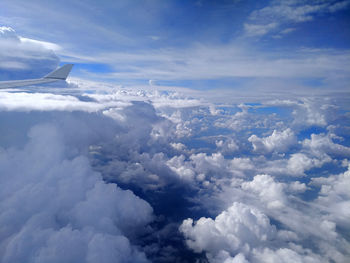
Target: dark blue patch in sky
x,y
305,134
328,30
310,194
171,205
327,169
276,223
345,142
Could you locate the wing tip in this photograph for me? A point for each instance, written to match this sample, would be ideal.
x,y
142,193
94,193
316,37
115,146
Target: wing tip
x,y
60,73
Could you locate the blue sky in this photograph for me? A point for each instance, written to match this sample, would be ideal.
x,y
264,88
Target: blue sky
x,y
224,44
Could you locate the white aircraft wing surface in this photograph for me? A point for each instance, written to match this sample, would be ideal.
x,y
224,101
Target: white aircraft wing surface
x,y
58,74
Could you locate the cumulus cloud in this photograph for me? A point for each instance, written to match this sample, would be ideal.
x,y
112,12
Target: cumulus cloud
x,y
334,196
52,202
243,234
227,146
311,111
319,144
23,59
235,231
229,235
277,141
300,162
283,255
268,190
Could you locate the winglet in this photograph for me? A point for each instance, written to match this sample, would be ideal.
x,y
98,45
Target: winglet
x,y
60,73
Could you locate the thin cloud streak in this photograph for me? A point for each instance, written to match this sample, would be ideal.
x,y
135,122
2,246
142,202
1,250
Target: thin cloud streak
x,y
279,13
203,62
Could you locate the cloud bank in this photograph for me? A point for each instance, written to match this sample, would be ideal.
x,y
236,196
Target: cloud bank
x,y
52,202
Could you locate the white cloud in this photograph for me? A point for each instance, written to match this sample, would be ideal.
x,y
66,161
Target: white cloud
x,y
287,31
284,255
335,197
277,141
8,33
227,146
185,171
45,102
308,111
259,30
51,202
28,58
320,144
158,98
294,11
297,187
298,163
268,190
298,222
236,230
45,44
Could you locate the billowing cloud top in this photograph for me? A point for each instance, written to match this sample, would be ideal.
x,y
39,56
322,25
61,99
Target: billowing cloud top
x,y
20,59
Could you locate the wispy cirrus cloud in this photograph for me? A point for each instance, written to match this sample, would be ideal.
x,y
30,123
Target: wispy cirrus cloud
x,y
278,14
222,62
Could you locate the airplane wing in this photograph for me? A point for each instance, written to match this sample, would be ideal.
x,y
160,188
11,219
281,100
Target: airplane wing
x,y
58,74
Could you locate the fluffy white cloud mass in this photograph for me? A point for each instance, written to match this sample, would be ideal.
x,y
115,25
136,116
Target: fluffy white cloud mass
x,y
277,141
235,230
55,208
284,198
244,233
